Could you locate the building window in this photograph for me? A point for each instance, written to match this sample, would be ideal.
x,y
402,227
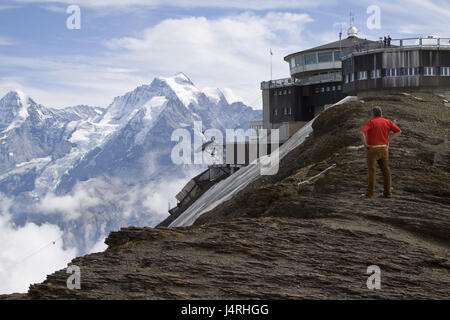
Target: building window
x,y
337,56
411,71
299,60
445,71
322,89
346,78
375,74
362,75
428,71
325,56
275,112
333,88
317,89
290,110
392,72
328,89
275,93
289,91
310,58
339,87
285,92
292,63
352,77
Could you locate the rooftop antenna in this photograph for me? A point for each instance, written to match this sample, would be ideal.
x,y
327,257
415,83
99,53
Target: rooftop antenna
x,y
352,19
352,30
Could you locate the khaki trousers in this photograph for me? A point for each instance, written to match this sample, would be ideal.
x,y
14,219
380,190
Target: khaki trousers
x,y
380,156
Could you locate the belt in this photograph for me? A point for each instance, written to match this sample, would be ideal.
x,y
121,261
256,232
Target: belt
x,y
379,146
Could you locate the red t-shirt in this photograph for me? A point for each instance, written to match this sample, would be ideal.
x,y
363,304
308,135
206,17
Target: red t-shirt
x,y
378,130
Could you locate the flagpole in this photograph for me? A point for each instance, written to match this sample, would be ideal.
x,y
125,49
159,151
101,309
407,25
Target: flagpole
x,y
271,54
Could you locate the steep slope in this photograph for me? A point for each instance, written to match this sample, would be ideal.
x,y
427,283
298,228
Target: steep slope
x,y
290,236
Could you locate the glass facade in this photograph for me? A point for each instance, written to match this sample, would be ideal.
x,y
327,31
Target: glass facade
x,y
313,58
337,56
299,60
325,56
310,58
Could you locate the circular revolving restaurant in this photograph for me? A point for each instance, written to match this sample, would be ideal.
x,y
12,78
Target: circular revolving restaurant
x,y
321,76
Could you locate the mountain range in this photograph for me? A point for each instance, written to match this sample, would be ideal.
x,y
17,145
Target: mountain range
x,y
90,170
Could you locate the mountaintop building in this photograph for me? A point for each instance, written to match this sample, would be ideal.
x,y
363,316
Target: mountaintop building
x,y
418,64
323,75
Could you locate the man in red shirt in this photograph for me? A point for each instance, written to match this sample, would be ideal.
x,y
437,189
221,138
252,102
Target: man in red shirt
x,y
375,137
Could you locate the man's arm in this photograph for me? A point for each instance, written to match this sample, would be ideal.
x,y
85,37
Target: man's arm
x,y
395,135
396,130
364,131
364,139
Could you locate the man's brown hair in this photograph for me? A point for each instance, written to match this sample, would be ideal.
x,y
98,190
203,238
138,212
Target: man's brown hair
x,y
377,112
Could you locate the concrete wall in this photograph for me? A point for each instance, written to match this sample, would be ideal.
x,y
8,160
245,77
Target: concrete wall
x,y
266,108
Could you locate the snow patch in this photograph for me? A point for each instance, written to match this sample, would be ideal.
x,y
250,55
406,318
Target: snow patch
x,y
152,110
183,88
214,95
34,162
231,96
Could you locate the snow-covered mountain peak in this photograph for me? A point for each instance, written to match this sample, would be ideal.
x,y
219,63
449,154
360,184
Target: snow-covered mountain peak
x,y
214,95
120,110
17,97
182,78
183,87
14,108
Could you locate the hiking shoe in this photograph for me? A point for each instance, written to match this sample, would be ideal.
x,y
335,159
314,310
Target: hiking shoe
x,y
363,195
383,195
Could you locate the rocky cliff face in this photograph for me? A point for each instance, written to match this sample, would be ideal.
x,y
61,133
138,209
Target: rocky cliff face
x,y
278,239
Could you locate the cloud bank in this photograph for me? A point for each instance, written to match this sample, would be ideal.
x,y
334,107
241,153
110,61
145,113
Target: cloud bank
x,y
27,253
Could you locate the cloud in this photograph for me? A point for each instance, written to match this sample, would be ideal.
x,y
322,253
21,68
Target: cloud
x,y
100,246
70,206
211,51
57,9
230,52
158,195
7,7
233,4
5,41
27,253
431,15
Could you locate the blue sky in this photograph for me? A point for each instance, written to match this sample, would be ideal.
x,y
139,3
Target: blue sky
x,y
125,43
